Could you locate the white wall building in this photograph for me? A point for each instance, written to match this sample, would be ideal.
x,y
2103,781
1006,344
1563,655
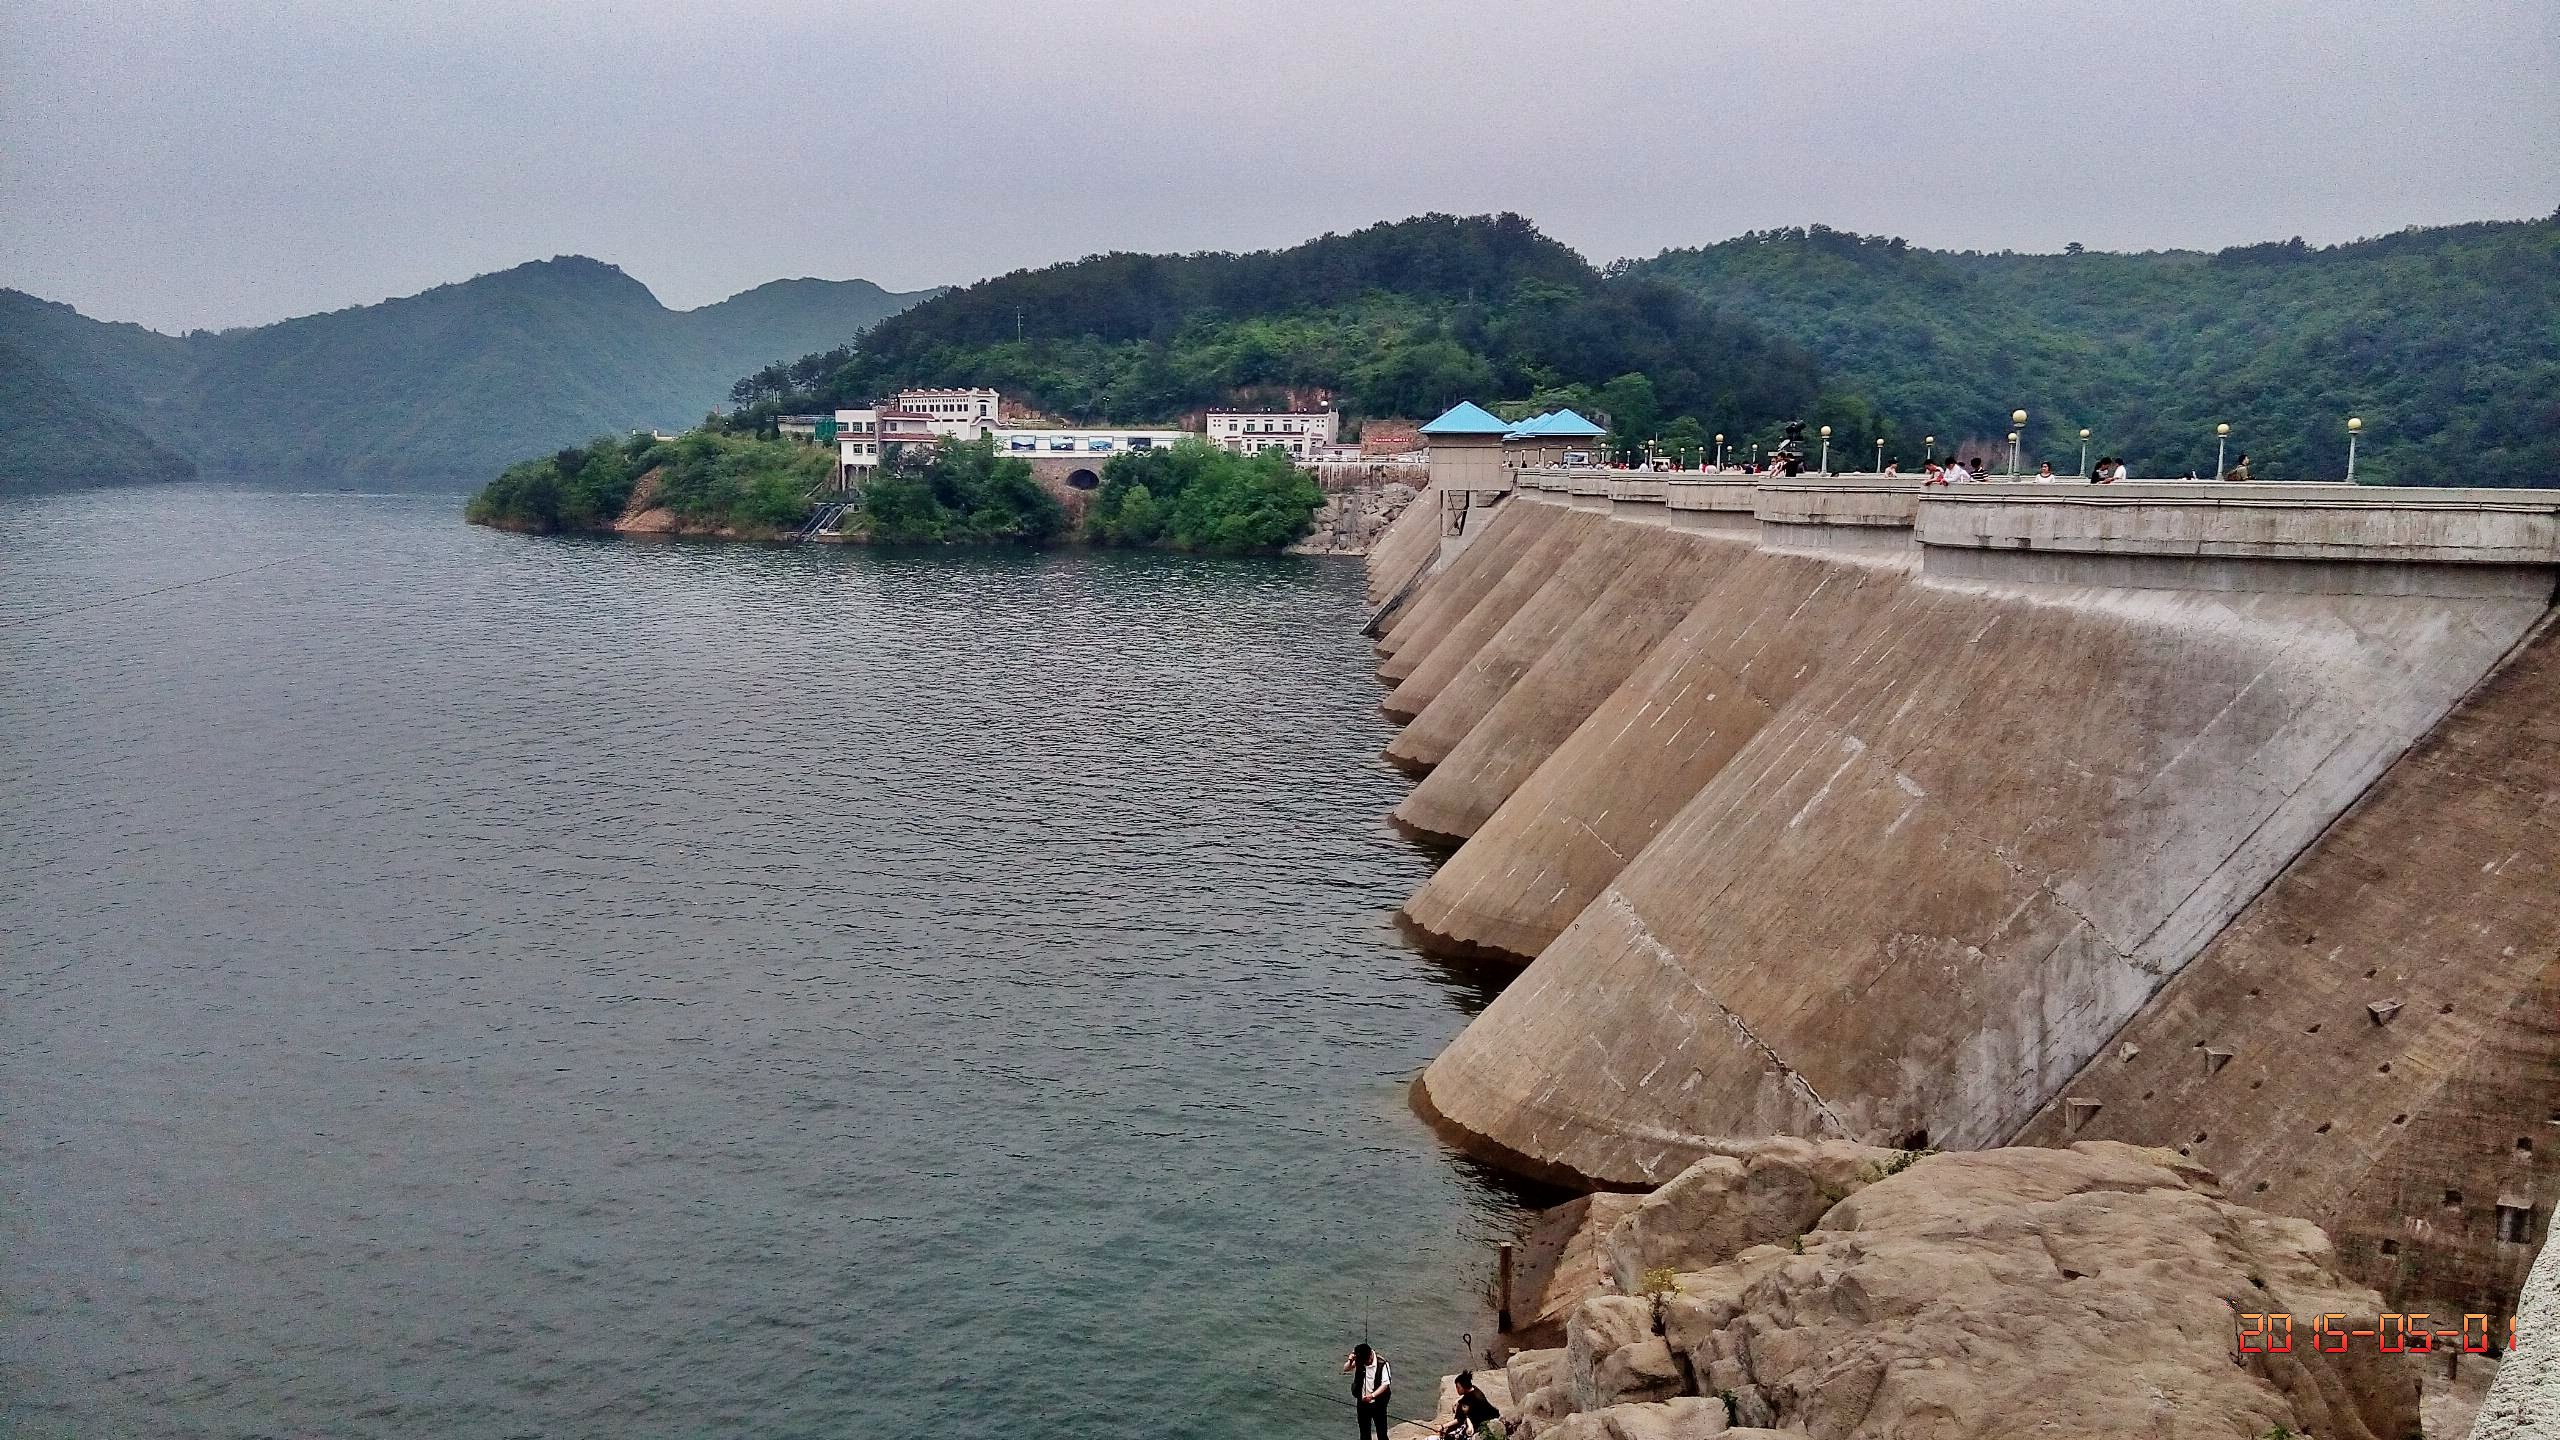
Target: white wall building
x,y
967,414
1092,442
1298,432
865,437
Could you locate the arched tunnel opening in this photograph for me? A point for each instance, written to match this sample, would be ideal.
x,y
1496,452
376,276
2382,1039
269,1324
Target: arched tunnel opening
x,y
1084,480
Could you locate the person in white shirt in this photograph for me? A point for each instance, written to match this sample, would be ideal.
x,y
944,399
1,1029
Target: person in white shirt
x,y
1957,474
1372,1384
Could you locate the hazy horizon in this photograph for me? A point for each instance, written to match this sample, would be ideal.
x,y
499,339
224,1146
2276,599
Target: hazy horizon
x,y
180,170
643,280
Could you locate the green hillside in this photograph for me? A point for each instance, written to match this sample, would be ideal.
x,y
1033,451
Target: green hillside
x,y
1395,320
50,430
450,384
2445,341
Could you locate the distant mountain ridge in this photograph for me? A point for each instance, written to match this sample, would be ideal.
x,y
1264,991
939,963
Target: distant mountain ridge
x,y
452,383
2444,340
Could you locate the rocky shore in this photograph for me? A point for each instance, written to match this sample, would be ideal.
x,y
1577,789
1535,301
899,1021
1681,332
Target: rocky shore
x,y
1350,521
1830,1289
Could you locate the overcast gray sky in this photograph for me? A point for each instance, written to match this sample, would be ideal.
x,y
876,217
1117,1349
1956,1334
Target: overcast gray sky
x,y
217,164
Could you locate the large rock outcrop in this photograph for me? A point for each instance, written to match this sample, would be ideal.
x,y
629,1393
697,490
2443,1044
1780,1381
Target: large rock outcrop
x,y
2092,1291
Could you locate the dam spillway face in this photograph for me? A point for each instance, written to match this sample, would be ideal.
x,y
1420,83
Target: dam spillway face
x,y
1954,819
1550,538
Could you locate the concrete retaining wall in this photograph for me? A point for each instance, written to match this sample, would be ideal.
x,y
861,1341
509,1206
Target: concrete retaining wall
x,y
1597,554
2361,1046
1913,885
1539,541
1765,627
1449,594
1410,542
1664,575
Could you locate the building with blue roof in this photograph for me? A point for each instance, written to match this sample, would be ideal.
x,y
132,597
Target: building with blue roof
x,y
1466,457
1467,418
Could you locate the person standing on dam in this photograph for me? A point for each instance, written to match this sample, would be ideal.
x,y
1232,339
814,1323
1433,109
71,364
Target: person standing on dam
x,y
1372,1385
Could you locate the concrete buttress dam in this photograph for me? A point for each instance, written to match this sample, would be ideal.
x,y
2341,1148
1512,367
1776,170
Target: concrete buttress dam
x,y
2219,819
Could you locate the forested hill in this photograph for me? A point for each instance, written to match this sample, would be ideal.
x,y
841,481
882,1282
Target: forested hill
x,y
2445,341
451,384
1398,319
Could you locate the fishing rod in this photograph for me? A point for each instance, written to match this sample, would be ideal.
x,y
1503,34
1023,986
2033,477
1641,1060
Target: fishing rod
x,y
1268,1383
147,594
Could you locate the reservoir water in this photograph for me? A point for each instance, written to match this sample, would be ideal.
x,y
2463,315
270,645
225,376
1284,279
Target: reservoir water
x,y
466,984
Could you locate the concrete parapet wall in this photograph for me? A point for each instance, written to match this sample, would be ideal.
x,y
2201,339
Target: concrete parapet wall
x,y
1938,877
1734,493
1848,500
2261,522
1637,492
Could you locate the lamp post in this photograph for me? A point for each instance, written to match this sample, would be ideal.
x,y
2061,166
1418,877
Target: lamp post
x,y
2084,449
1755,454
1931,458
1719,450
1825,467
2017,422
2355,427
1879,454
2221,443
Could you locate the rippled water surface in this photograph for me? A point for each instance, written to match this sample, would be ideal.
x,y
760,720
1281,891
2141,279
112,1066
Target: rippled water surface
x,y
464,984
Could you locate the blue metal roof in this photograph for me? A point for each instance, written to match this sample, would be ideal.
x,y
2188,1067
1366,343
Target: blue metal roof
x,y
1467,418
1566,422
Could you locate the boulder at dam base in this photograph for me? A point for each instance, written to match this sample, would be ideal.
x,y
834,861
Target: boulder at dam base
x,y
2096,1291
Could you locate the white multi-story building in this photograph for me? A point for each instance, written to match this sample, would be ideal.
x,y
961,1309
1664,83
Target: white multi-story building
x,y
866,437
1298,432
967,414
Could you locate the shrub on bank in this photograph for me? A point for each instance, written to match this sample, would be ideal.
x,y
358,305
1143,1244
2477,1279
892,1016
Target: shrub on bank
x,y
1195,496
583,487
963,492
708,479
